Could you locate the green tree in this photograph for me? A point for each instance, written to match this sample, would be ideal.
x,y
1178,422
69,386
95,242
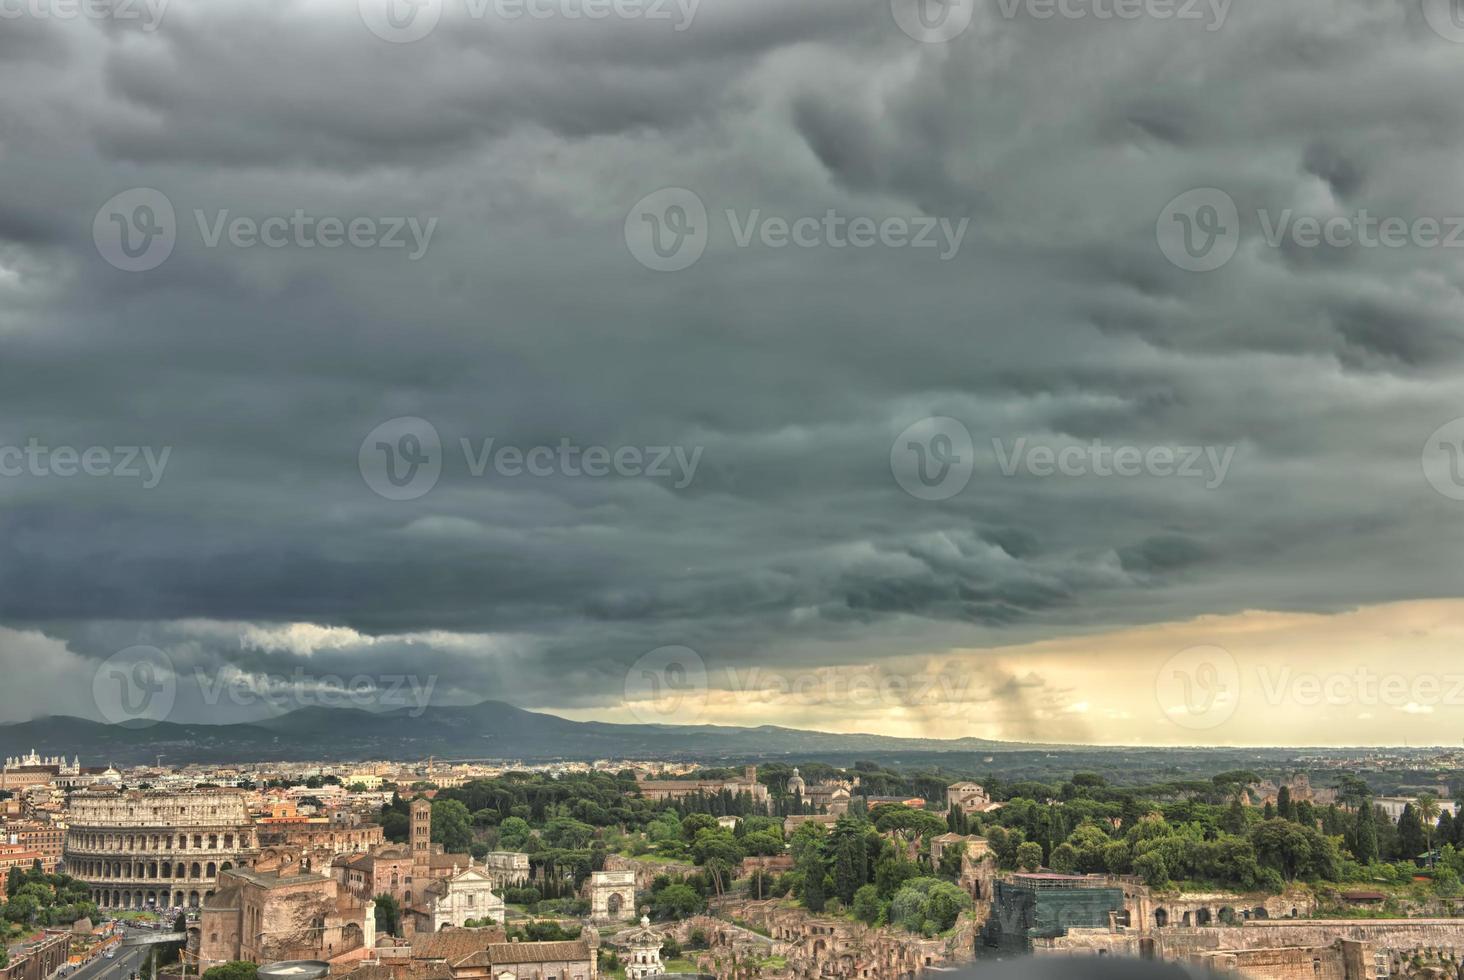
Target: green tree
x,y
22,909
1151,867
1365,835
866,906
813,871
763,842
514,834
452,826
850,854
694,823
1065,858
388,915
890,873
1428,813
677,901
1285,809
568,833
1029,856
1411,839
928,906
951,860
236,970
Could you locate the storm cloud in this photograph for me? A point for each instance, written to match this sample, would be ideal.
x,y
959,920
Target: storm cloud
x,y
791,369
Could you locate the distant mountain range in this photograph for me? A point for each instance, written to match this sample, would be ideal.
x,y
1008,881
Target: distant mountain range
x,y
490,729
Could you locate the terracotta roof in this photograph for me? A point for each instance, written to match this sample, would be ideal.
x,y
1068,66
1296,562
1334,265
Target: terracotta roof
x,y
451,860
567,951
454,944
412,970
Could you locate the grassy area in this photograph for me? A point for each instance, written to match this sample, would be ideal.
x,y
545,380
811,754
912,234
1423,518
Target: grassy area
x,y
752,928
679,965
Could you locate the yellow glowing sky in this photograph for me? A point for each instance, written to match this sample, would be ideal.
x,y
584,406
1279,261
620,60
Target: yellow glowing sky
x,y
1378,675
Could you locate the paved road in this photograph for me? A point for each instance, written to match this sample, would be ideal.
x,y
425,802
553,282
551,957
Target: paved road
x,y
119,967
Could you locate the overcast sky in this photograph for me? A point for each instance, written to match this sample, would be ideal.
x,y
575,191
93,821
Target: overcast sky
x,y
233,432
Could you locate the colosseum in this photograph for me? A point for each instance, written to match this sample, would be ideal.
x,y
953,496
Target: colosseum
x,y
140,850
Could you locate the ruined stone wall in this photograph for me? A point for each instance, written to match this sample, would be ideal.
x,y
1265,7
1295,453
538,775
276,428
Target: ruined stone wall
x,y
839,948
1383,933
1332,949
646,872
1280,964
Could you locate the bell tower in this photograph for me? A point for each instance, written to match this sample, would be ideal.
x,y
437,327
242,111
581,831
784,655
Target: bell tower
x,y
421,827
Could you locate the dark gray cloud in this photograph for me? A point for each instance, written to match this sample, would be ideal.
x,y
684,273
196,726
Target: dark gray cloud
x,y
792,370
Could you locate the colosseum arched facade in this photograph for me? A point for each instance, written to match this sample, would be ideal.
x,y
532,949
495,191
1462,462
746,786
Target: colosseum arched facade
x,y
154,849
